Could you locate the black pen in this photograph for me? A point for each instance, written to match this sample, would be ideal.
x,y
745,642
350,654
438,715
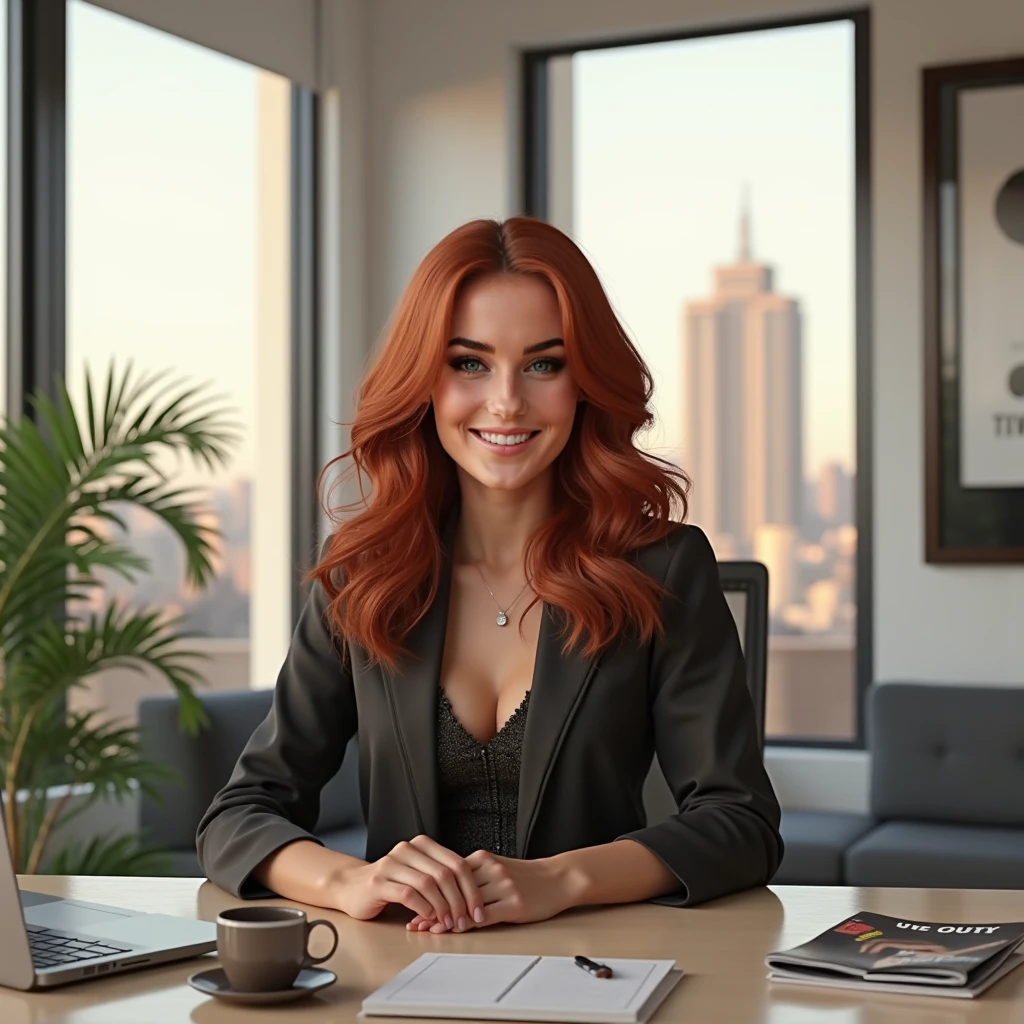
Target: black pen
x,y
596,969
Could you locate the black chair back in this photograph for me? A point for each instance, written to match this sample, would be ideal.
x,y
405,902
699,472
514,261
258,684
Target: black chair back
x,y
745,585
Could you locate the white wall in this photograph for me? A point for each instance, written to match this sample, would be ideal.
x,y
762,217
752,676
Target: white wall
x,y
442,121
279,35
948,624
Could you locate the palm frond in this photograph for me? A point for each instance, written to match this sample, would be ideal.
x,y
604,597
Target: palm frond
x,y
65,480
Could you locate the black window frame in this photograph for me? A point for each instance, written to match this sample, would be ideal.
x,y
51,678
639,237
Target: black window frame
x,y
534,201
37,250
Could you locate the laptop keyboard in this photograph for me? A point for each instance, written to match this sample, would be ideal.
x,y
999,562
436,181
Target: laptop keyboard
x,y
57,949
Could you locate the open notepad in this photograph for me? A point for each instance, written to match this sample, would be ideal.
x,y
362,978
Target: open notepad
x,y
487,987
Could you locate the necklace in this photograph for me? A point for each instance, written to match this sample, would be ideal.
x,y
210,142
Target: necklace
x,y
502,615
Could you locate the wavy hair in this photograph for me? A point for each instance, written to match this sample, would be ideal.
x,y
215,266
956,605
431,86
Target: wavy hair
x,y
610,497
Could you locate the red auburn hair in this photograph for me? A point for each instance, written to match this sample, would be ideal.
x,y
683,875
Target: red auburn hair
x,y
610,497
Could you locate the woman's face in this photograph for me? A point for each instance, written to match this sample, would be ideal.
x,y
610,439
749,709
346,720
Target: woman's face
x,y
505,402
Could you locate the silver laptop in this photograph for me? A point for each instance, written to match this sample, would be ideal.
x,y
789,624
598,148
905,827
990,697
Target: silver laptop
x,y
47,940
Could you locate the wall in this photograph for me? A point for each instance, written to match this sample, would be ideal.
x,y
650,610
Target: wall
x,y
949,624
443,122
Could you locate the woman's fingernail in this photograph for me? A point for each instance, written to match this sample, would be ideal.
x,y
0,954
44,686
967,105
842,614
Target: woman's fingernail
x,y
478,915
462,924
448,920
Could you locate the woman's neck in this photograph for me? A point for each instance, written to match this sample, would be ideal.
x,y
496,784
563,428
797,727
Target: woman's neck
x,y
494,525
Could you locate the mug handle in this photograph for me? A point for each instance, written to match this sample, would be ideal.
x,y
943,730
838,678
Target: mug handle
x,y
311,960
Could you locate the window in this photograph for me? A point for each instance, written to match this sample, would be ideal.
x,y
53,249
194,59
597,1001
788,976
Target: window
x,y
712,181
3,205
178,259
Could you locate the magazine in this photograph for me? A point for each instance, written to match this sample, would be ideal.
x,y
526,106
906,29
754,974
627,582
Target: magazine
x,y
873,952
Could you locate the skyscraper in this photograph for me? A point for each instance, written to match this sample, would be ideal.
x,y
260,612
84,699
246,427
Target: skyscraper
x,y
743,415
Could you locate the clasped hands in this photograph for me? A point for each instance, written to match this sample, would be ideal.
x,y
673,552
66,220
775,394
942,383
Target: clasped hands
x,y
447,892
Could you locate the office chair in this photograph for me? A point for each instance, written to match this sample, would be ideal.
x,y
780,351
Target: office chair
x,y
746,592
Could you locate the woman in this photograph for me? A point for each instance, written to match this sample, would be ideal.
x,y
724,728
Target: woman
x,y
501,769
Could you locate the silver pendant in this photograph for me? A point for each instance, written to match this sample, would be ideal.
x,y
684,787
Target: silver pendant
x,y
502,619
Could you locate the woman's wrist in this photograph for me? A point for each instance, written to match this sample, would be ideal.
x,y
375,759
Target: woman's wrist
x,y
570,876
336,884
618,872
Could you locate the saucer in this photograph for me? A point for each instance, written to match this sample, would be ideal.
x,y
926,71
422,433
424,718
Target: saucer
x,y
215,983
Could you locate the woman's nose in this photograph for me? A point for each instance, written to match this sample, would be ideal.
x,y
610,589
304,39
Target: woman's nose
x,y
506,397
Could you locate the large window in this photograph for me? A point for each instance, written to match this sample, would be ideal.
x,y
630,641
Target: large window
x,y
712,181
178,259
3,206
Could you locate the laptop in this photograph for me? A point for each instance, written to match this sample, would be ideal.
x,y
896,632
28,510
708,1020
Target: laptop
x,y
48,940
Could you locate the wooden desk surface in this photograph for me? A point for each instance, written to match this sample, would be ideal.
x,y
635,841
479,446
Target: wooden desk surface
x,y
721,946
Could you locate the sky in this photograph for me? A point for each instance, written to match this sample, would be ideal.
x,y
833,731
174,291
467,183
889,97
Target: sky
x,y
666,138
162,209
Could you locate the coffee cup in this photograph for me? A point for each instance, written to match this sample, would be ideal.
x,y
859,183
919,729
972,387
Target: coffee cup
x,y
262,949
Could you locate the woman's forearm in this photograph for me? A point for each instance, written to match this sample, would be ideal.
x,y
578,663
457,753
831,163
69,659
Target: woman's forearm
x,y
619,872
305,871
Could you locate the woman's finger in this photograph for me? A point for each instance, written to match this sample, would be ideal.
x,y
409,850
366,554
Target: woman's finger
x,y
407,896
461,873
444,878
423,884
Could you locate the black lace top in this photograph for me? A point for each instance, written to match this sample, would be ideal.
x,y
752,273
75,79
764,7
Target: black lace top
x,y
478,785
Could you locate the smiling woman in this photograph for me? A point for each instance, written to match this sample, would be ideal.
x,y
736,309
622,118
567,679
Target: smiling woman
x,y
502,769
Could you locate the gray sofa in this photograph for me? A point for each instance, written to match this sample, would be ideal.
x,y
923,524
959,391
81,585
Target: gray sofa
x,y
205,762
946,796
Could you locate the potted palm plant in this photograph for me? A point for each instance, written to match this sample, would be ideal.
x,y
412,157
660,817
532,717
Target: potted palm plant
x,y
65,478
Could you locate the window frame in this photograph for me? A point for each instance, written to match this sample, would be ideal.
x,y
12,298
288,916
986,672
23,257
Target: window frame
x,y
534,199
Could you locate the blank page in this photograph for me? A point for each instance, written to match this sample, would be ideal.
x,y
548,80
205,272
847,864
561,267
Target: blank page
x,y
556,982
454,979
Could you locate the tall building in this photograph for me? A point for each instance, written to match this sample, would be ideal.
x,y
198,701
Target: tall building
x,y
744,401
835,494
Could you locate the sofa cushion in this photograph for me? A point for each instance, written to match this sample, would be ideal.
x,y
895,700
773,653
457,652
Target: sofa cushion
x,y
931,855
203,764
947,753
815,842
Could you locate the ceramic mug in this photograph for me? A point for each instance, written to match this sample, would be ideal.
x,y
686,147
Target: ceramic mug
x,y
262,949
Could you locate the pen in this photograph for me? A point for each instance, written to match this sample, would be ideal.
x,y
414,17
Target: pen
x,y
596,969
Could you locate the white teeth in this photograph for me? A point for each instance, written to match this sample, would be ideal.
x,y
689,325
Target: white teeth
x,y
505,438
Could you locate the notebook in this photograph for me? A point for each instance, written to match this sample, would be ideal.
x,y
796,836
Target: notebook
x,y
546,988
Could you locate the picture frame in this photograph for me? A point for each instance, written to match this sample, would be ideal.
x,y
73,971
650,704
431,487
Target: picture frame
x,y
973,193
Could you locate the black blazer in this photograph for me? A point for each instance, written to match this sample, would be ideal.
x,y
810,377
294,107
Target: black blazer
x,y
593,727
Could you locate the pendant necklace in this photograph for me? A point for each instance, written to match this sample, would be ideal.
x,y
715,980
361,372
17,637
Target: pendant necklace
x,y
502,615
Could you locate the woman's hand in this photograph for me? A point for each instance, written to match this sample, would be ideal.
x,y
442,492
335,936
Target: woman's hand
x,y
432,881
513,891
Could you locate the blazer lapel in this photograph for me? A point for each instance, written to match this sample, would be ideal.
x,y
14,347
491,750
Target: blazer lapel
x,y
412,690
559,684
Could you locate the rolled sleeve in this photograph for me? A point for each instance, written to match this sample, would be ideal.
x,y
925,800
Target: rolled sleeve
x,y
725,836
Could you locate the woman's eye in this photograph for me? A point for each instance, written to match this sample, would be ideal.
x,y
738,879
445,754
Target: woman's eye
x,y
460,364
554,365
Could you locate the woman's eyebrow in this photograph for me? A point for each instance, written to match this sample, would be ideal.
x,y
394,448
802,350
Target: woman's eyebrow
x,y
482,346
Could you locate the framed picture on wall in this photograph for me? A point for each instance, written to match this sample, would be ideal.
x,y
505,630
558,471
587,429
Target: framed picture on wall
x,y
974,311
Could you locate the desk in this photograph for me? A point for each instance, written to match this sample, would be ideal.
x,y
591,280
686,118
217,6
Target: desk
x,y
721,946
